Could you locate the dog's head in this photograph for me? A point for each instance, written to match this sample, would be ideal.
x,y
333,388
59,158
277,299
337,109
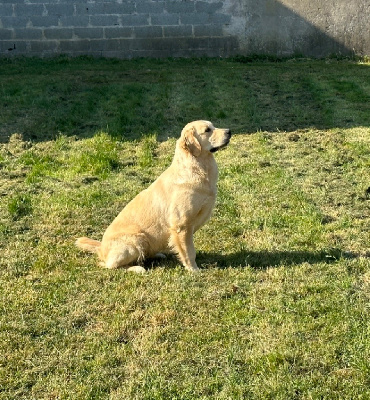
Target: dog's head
x,y
202,136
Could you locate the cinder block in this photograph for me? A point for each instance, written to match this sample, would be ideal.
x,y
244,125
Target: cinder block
x,y
97,46
6,34
74,21
104,8
84,8
189,47
208,30
28,33
149,54
89,33
44,21
74,46
103,20
125,7
124,45
148,32
135,20
9,48
28,10
206,7
164,19
178,31
204,18
118,32
195,19
42,46
223,46
60,9
6,10
125,55
192,43
180,6
220,18
58,33
14,22
150,44
12,1
146,7
110,45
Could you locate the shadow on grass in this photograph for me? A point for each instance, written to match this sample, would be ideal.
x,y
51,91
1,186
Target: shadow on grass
x,y
129,99
258,260
270,259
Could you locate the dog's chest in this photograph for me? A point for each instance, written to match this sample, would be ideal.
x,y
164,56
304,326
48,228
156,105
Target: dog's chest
x,y
207,172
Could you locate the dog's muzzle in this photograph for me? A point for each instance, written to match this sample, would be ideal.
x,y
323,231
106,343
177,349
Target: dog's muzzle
x,y
225,143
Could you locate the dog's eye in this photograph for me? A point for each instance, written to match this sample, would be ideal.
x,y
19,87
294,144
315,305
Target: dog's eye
x,y
208,129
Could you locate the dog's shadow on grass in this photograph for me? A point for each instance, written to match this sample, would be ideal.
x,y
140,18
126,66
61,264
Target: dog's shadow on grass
x,y
258,260
269,259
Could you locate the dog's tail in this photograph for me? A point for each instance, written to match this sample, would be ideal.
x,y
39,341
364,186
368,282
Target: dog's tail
x,y
87,244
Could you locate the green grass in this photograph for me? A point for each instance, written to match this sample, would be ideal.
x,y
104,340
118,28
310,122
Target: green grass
x,y
281,308
42,99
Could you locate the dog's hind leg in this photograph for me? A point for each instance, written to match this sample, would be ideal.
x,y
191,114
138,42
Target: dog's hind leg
x,y
123,253
121,256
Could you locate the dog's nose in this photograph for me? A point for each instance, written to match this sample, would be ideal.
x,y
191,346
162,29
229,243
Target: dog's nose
x,y
228,132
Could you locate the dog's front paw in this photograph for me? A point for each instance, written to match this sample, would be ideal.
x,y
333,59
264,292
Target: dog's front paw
x,y
193,270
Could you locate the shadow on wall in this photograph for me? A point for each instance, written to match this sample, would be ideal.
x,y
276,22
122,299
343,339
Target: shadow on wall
x,y
312,28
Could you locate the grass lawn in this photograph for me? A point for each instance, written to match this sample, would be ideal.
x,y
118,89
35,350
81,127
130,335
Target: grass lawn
x,y
281,307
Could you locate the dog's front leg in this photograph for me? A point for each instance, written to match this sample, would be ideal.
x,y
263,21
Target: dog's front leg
x,y
182,242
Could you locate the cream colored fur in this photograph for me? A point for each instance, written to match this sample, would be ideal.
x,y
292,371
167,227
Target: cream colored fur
x,y
164,217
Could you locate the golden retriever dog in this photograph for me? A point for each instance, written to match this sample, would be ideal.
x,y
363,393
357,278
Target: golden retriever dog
x,y
164,217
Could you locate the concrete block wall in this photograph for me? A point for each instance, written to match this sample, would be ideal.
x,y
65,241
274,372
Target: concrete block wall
x,y
183,28
125,29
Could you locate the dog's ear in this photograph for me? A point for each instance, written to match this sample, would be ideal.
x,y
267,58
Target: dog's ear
x,y
190,142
